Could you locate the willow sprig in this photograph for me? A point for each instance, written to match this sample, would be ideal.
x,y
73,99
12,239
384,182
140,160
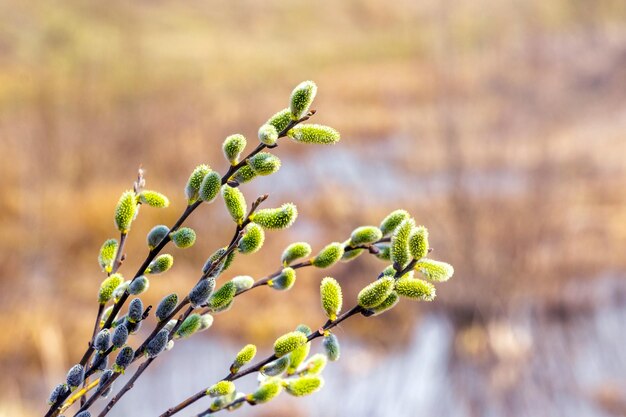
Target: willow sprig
x,y
290,368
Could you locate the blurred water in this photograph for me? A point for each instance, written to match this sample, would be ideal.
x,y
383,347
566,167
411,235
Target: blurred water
x,y
567,361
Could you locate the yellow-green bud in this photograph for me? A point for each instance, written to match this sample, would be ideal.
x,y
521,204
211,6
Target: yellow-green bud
x,y
195,180
280,120
400,242
221,388
190,325
331,346
235,203
242,283
156,235
166,306
393,220
332,299
389,303
160,264
252,240
105,315
268,135
315,365
108,251
244,174
222,298
418,242
284,281
244,356
376,292
295,251
349,253
365,235
435,270
108,286
276,218
276,367
384,251
210,187
415,289
125,211
298,355
305,385
153,199
233,146
184,237
288,343
314,133
139,285
329,256
264,163
301,98
266,392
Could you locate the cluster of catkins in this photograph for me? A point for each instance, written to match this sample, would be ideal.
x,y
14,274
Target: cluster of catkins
x,y
397,240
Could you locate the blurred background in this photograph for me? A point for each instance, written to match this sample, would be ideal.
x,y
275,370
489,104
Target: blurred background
x,y
500,125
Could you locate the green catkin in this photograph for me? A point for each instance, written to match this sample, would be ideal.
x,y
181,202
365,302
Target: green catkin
x,y
244,174
160,264
435,270
329,256
266,392
276,367
242,283
331,346
393,220
418,242
331,296
190,325
156,235
295,251
139,285
210,187
276,218
301,98
221,388
233,146
365,235
284,281
280,120
298,355
252,240
376,292
108,251
243,357
153,199
235,203
389,303
206,321
268,135
415,289
184,237
315,134
166,306
350,254
384,251
305,385
125,211
288,343
195,180
400,243
222,298
314,365
264,163
108,286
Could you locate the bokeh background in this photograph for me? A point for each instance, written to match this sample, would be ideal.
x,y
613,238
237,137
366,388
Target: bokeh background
x,y
501,125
